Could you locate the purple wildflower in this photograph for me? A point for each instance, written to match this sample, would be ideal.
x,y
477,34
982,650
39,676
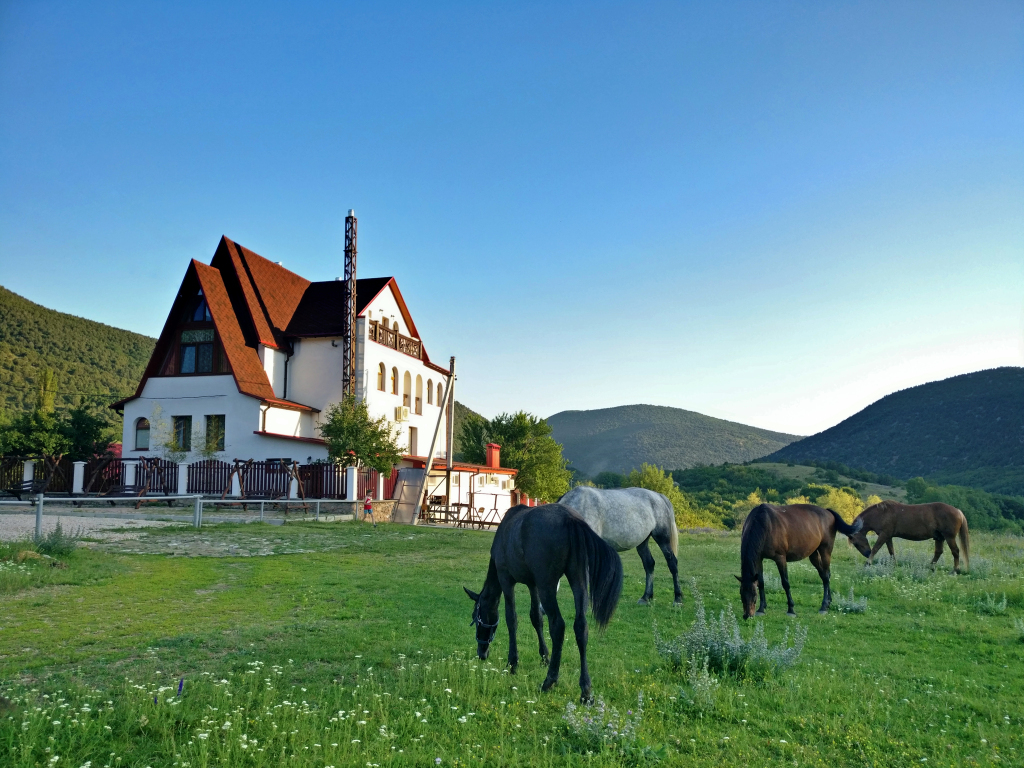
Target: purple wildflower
x,y
181,685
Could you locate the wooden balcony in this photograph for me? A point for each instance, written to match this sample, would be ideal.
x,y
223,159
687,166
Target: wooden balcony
x,y
391,338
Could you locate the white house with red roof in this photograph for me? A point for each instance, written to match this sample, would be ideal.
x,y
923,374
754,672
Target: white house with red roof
x,y
251,354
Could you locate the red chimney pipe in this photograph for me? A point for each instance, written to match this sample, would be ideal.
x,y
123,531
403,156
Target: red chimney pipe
x,y
493,455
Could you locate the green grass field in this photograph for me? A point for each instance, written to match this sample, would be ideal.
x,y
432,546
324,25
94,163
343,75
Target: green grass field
x,y
353,647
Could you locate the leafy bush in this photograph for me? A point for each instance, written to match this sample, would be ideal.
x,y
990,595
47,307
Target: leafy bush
x,y
719,642
58,542
990,606
849,604
1019,626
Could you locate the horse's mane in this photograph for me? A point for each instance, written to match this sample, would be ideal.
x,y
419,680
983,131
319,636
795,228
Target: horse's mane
x,y
755,531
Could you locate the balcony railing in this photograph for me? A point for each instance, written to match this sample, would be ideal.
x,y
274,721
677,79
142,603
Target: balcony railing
x,y
392,338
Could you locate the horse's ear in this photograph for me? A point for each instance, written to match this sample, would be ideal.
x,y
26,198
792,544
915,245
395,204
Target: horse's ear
x,y
474,596
739,579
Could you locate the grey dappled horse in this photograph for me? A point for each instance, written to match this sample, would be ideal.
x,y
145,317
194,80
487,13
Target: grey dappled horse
x,y
630,517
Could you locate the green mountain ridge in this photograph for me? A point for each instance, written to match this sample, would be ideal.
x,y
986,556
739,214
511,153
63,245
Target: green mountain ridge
x,y
965,430
95,363
621,439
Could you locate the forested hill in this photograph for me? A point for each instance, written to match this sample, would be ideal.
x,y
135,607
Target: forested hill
x,y
966,430
95,363
621,439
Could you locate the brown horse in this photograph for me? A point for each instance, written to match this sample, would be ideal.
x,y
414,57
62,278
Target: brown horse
x,y
915,522
785,534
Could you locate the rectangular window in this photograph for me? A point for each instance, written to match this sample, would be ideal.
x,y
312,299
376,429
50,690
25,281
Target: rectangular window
x,y
197,351
215,433
183,433
413,441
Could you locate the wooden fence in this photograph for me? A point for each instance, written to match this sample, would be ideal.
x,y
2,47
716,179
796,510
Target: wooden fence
x,y
209,476
265,479
102,474
323,481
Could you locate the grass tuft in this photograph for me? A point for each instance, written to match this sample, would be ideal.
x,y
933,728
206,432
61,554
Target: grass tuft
x,y
58,542
849,604
989,606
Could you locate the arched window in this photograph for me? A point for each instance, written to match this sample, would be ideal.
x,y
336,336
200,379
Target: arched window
x,y
440,393
430,391
407,389
142,434
382,376
419,394
384,322
394,381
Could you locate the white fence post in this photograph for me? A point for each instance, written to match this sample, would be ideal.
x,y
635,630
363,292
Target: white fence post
x,y
293,489
197,512
182,479
129,472
28,471
236,485
78,478
351,483
379,490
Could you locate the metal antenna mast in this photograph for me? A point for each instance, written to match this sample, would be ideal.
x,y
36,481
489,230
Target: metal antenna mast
x,y
348,325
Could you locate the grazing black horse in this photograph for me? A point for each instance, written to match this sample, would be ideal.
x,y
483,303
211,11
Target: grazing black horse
x,y
535,546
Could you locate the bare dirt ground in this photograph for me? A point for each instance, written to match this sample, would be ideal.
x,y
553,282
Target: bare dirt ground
x,y
14,527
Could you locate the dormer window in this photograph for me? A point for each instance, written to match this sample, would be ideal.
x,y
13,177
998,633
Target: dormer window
x,y
198,312
197,351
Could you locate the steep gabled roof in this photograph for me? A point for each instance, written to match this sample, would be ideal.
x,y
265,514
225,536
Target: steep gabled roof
x,y
243,360
255,301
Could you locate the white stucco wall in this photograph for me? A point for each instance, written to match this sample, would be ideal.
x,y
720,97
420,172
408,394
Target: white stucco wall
x,y
199,396
274,364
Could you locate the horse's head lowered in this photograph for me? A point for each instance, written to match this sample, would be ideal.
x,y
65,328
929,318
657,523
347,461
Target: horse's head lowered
x,y
486,623
748,594
860,542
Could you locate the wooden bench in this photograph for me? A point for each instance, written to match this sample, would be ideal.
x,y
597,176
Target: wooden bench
x,y
26,488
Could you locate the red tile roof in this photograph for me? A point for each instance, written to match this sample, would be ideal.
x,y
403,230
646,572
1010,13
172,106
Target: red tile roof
x,y
255,301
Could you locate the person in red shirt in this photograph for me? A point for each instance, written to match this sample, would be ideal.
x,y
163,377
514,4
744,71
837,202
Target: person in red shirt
x,y
368,509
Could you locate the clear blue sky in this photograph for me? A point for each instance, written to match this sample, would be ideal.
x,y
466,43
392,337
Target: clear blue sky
x,y
769,212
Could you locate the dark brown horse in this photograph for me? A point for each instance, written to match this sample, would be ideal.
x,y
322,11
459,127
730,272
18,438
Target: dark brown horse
x,y
536,546
915,522
785,534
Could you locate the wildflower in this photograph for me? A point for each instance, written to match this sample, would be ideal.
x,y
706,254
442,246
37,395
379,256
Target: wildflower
x,y
437,761
181,685
355,741
783,741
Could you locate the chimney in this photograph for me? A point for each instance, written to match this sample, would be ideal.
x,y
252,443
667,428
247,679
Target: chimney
x,y
493,455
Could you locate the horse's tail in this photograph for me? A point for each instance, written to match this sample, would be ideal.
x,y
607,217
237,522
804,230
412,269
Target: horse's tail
x,y
603,568
845,528
965,541
673,539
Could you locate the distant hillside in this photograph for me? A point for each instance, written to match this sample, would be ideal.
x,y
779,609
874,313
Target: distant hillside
x,y
458,418
966,430
95,363
621,439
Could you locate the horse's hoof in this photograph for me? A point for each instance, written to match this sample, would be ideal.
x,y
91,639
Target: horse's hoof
x,y
678,602
512,668
545,660
587,698
548,683
643,601
791,613
823,612
759,613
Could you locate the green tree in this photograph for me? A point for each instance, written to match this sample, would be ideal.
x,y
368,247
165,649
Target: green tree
x,y
354,438
47,391
526,446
